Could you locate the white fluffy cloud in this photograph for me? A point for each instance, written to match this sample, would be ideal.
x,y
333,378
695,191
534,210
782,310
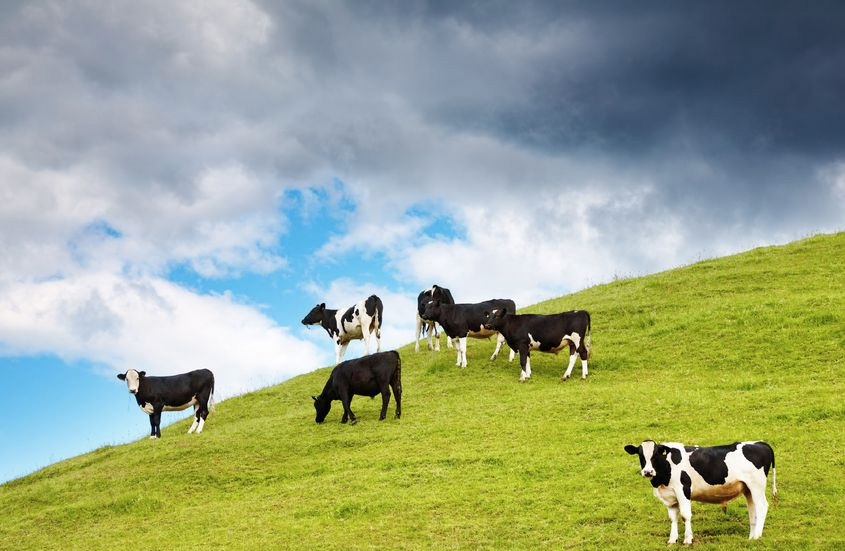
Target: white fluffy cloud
x,y
151,324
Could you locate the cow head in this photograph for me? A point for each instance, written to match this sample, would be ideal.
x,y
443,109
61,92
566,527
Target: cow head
x,y
493,320
315,316
653,460
133,379
323,406
431,311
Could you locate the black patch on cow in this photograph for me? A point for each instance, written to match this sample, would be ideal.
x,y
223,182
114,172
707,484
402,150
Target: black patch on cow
x,y
348,315
662,469
686,482
710,463
676,455
760,454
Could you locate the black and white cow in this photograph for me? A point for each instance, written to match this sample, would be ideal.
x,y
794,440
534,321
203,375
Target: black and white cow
x,y
357,322
546,333
172,393
681,474
460,321
444,296
366,376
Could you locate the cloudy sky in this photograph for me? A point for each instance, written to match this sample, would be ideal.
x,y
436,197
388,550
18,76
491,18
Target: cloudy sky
x,y
180,182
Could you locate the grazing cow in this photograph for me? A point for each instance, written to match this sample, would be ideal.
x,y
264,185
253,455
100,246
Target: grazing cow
x,y
546,333
460,321
680,474
366,376
357,322
441,294
173,393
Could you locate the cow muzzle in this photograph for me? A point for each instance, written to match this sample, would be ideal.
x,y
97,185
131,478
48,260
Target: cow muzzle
x,y
648,473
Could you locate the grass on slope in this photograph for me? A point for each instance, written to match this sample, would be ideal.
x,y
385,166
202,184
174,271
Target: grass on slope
x,y
744,347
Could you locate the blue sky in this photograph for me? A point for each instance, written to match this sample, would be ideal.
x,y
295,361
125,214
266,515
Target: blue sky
x,y
209,171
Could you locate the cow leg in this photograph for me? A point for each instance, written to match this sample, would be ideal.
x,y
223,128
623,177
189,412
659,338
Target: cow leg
x,y
448,342
457,342
385,400
685,507
572,358
673,518
155,422
752,514
524,363
419,330
196,419
341,350
584,354
346,400
511,355
463,345
433,329
760,505
396,385
499,340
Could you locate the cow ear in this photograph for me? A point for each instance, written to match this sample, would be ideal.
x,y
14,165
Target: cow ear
x,y
142,373
662,450
121,376
314,398
322,306
632,450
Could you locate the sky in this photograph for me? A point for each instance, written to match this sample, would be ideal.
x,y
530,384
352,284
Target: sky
x,y
180,182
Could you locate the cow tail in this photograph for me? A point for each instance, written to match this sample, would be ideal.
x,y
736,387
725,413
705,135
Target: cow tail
x,y
587,342
379,311
398,374
211,400
774,480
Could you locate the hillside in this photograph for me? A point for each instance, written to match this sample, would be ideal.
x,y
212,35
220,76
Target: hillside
x,y
745,347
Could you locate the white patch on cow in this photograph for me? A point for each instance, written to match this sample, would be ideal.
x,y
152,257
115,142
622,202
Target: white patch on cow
x,y
193,426
199,427
572,358
193,402
133,380
574,338
147,408
532,344
648,451
583,369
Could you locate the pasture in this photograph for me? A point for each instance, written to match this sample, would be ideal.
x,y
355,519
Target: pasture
x,y
738,348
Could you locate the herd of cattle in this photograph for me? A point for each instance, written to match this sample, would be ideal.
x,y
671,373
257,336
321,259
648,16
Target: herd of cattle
x,y
678,474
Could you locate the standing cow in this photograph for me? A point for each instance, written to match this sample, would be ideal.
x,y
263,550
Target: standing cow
x,y
460,321
366,376
357,322
681,474
172,393
444,296
546,333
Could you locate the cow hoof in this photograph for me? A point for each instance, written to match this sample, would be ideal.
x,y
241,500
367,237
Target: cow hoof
x,y
153,437
584,378
353,422
565,378
397,416
381,418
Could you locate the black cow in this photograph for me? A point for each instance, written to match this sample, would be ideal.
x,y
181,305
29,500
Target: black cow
x,y
444,296
356,322
681,474
546,333
173,393
366,376
460,321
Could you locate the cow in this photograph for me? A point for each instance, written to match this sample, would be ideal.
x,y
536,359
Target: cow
x,y
356,322
546,333
441,294
681,474
366,376
172,393
460,321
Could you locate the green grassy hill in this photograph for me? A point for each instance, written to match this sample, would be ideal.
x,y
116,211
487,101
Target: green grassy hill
x,y
746,347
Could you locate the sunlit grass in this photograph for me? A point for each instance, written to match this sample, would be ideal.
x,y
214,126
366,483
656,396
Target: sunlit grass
x,y
745,347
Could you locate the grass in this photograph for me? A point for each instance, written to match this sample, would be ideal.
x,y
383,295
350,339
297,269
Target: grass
x,y
745,347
